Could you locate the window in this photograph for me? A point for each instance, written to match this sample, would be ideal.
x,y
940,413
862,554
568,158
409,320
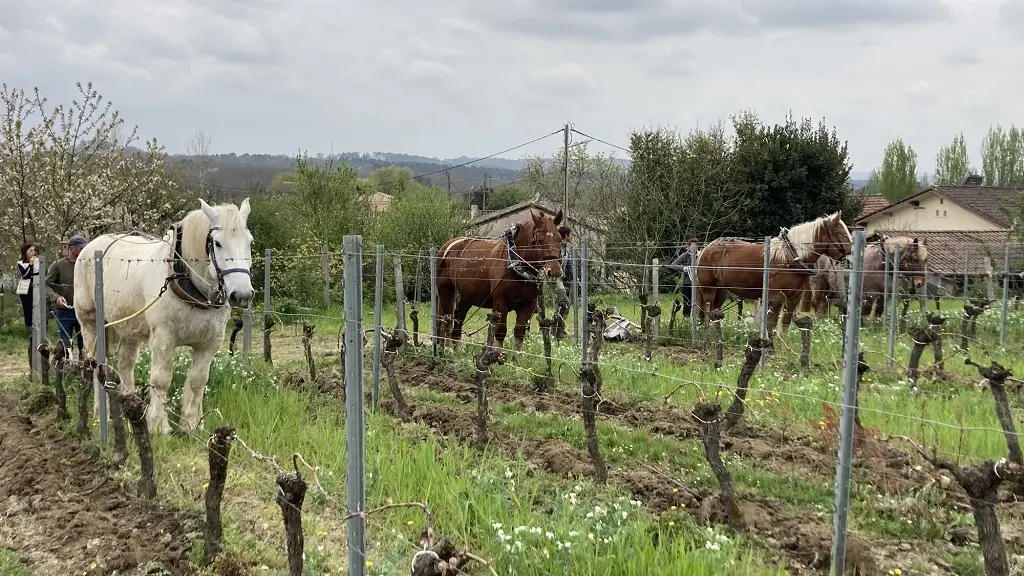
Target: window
x,y
936,212
943,213
942,200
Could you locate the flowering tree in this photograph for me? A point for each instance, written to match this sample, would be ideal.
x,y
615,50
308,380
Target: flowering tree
x,y
70,169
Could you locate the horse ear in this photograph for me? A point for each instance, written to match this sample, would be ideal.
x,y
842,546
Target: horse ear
x,y
558,217
244,209
537,218
210,212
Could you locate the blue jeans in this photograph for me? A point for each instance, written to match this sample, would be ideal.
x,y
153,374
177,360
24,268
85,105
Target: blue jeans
x,y
67,326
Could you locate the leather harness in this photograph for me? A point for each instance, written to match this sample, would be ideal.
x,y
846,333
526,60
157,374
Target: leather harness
x,y
181,284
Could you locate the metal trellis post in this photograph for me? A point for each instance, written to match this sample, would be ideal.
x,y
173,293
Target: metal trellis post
x,y
378,320
355,447
850,356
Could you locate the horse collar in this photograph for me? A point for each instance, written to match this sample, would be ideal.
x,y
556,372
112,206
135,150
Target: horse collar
x,y
520,267
784,236
180,282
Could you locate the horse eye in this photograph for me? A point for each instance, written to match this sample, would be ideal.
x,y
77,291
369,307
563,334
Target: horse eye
x,y
216,243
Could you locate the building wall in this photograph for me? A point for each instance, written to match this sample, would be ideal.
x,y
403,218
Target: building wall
x,y
934,213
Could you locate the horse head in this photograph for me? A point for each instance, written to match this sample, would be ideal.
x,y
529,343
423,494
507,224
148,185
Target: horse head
x,y
837,241
914,259
540,242
229,251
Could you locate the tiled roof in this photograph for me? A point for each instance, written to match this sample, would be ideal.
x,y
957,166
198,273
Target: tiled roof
x,y
872,203
950,251
985,201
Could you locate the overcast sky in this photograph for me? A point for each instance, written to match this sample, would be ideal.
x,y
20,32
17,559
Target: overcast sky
x,y
451,77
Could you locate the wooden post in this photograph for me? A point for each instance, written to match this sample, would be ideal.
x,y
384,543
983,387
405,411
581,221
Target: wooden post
x,y
217,451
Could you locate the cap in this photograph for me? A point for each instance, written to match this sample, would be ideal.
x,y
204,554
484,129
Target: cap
x,y
77,241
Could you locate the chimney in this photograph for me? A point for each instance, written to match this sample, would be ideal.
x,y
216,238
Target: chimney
x,y
973,180
473,212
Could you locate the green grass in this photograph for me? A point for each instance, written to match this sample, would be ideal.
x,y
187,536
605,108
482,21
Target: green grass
x,y
470,494
519,516
12,565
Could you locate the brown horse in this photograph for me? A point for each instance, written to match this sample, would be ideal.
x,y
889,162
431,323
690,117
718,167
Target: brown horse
x,y
503,275
913,265
737,266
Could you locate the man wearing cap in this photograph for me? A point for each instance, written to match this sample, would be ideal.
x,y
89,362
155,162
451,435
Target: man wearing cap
x,y
60,293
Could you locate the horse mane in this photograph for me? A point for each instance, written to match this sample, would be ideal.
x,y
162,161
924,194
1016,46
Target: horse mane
x,y
802,238
902,241
195,226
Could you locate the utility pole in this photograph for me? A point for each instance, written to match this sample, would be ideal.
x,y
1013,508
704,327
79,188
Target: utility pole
x,y
484,201
565,174
449,176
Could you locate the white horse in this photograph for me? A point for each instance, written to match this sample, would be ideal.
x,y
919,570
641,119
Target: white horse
x,y
204,262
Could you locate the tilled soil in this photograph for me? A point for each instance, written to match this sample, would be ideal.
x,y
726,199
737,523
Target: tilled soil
x,y
65,513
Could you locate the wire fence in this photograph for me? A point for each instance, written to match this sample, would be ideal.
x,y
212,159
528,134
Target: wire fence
x,y
652,363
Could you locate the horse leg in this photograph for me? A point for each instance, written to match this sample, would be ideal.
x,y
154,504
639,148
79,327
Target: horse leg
x,y
790,305
501,327
446,296
458,318
522,323
195,385
160,373
127,358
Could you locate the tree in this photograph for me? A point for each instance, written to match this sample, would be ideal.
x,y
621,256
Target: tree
x,y
596,182
327,202
1002,157
418,220
197,162
897,178
393,180
71,169
789,173
952,163
505,196
709,185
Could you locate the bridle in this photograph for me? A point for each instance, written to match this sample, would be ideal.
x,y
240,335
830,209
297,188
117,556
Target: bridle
x,y
522,268
180,281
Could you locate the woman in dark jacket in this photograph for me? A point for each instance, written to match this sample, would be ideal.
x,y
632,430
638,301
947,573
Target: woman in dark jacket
x,y
28,275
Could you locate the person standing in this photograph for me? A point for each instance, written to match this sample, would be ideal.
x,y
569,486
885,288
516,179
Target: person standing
x,y
60,293
562,302
28,271
683,264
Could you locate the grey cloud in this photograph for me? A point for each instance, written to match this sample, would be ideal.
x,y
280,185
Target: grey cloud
x,y
963,59
614,20
625,20
842,13
1012,12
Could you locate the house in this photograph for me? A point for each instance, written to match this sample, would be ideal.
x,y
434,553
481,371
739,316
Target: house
x,y
494,223
379,201
872,203
966,227
969,206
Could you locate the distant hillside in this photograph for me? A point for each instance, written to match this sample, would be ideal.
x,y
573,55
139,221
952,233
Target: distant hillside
x,y
253,173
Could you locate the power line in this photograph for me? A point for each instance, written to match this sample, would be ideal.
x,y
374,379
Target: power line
x,y
596,139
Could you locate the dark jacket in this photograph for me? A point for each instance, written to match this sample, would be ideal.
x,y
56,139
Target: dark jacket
x,y
679,266
567,271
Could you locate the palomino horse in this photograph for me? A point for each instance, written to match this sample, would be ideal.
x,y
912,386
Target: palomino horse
x,y
913,265
205,260
737,266
503,275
